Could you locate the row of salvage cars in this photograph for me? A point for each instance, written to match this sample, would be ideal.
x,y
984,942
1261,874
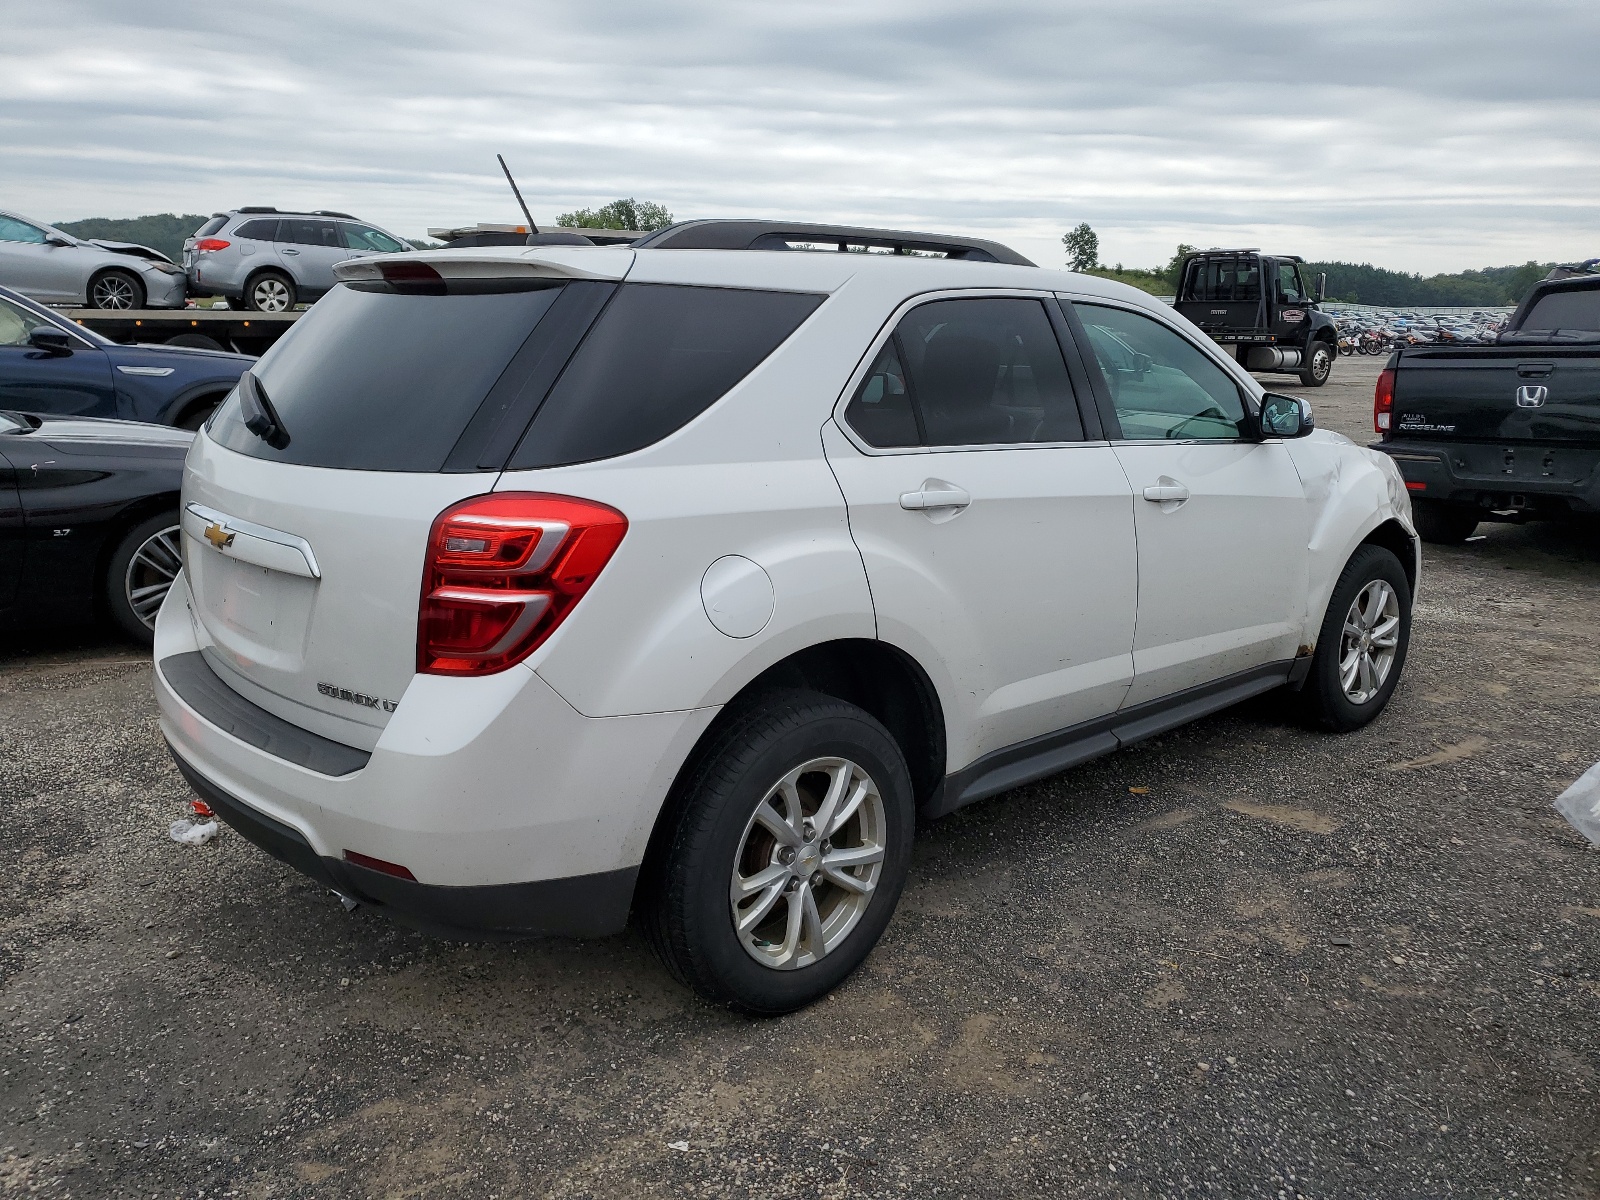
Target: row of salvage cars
x,y
93,436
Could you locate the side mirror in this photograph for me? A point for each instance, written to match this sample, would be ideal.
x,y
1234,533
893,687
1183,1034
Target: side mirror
x,y
50,340
1286,416
1322,287
53,239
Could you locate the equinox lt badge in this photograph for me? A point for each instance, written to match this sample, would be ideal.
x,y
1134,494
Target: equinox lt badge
x,y
338,693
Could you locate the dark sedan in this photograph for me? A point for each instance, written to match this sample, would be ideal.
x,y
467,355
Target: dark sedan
x,y
88,520
50,365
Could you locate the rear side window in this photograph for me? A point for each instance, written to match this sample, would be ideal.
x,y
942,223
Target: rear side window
x,y
210,227
303,232
1574,310
372,380
658,357
256,231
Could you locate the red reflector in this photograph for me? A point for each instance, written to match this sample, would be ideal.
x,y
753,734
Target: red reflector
x,y
1383,401
201,809
377,864
502,572
1414,486
212,244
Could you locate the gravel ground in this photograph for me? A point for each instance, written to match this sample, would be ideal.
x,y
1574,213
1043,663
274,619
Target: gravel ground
x,y
1241,960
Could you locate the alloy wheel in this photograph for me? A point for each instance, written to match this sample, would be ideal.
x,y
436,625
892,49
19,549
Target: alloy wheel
x,y
151,571
808,863
113,291
270,295
1368,642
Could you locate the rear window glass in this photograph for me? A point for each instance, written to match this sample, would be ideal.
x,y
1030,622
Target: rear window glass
x,y
1221,280
371,380
210,227
658,357
1575,310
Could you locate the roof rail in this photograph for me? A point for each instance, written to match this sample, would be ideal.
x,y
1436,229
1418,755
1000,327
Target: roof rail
x,y
780,235
328,212
255,208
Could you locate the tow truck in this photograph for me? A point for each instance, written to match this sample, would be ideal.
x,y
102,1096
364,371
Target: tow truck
x,y
1273,328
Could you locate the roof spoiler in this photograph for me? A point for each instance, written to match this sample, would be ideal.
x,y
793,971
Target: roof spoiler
x,y
783,235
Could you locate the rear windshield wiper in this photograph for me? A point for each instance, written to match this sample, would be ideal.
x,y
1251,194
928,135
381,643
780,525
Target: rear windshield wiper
x,y
260,418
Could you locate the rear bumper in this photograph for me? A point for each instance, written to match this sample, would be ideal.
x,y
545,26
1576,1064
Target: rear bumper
x,y
1546,479
515,813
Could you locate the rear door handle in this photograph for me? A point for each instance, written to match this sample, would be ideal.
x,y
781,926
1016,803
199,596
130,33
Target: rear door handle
x,y
287,250
1164,493
935,494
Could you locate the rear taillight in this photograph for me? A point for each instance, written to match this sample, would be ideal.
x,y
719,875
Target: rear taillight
x,y
1383,401
212,244
502,572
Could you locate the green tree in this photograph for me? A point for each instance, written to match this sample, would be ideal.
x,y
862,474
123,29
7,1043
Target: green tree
x,y
1177,261
642,215
1083,248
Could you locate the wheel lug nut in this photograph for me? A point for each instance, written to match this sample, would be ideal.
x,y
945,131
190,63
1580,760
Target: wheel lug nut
x,y
827,846
810,831
794,882
816,879
786,855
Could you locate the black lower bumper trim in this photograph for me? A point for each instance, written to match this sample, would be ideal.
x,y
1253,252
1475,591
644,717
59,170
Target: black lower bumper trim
x,y
578,906
200,688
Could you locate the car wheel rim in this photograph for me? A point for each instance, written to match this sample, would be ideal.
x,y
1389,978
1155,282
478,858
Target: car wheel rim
x,y
1320,363
271,296
155,564
113,292
808,863
1369,641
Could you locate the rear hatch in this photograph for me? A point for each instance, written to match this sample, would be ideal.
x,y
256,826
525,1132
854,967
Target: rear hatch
x,y
1526,393
1223,294
389,401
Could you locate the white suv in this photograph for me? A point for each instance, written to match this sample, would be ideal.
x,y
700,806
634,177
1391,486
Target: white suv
x,y
528,587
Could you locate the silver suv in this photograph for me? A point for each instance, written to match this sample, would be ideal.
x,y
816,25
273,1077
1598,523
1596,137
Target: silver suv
x,y
271,261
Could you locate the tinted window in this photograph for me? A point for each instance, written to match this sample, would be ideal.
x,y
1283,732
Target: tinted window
x,y
1222,280
375,381
365,237
658,357
987,371
881,410
210,227
13,230
258,231
1577,310
1289,290
1161,384
16,324
303,232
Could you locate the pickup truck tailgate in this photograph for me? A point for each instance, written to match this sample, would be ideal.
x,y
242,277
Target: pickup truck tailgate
x,y
1504,394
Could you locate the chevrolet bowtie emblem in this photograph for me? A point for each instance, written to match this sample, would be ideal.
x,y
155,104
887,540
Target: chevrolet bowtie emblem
x,y
218,536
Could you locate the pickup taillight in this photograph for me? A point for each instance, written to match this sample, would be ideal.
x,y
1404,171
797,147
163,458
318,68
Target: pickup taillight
x,y
502,572
1383,401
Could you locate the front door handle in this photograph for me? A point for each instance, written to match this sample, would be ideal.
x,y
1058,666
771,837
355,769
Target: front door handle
x,y
935,494
286,250
1166,493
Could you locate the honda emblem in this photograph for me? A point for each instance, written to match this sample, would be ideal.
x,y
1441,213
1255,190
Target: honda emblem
x,y
1532,395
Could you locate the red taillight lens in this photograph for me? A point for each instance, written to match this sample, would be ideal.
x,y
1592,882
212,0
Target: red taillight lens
x,y
502,572
1383,401
212,244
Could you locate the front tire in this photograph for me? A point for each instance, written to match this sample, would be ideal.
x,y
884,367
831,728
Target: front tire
x,y
1441,523
1361,648
141,572
786,856
1319,364
270,292
116,290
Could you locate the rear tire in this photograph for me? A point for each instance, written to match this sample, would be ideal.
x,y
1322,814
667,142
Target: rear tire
x,y
1361,648
1442,523
1319,363
195,341
115,289
770,771
270,292
140,573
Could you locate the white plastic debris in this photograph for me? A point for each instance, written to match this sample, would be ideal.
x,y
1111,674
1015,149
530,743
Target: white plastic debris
x,y
680,1146
192,834
1580,804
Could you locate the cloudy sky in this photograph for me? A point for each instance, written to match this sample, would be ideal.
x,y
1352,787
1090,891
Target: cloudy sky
x,y
1424,136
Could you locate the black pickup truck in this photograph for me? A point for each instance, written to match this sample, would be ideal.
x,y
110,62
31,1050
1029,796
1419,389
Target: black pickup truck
x,y
1508,432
